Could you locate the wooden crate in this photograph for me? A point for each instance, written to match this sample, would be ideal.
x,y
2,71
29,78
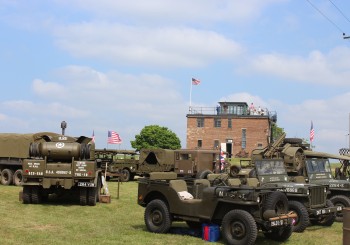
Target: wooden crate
x,y
105,198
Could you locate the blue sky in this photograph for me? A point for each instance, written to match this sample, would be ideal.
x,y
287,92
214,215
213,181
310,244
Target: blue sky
x,y
121,65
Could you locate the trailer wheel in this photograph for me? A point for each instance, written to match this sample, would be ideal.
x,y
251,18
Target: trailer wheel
x,y
17,177
6,176
27,194
344,202
302,219
239,227
157,217
83,196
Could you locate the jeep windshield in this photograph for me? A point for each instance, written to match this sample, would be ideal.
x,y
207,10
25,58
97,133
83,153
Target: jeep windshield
x,y
268,167
316,166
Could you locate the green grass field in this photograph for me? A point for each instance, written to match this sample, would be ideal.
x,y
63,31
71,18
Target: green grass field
x,y
120,222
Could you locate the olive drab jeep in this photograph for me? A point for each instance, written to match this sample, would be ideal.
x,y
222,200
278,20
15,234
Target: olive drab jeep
x,y
185,162
308,201
61,164
240,211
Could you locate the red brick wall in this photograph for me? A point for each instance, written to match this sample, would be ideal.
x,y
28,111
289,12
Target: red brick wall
x,y
257,131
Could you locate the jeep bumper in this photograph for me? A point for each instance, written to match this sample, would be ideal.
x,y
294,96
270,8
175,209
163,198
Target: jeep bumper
x,y
317,212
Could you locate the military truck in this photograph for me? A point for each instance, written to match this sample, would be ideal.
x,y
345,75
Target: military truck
x,y
185,162
308,201
309,166
240,211
60,164
13,149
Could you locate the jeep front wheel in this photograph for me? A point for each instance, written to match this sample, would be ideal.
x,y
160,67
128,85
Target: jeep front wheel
x,y
302,220
342,201
239,227
157,217
280,234
325,219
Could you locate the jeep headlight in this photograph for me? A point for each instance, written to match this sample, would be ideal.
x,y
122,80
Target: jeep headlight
x,y
258,199
325,190
307,192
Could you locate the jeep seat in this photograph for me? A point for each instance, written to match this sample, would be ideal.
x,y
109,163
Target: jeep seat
x,y
253,182
180,187
234,182
198,186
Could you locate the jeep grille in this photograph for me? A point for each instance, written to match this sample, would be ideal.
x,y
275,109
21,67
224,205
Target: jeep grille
x,y
317,196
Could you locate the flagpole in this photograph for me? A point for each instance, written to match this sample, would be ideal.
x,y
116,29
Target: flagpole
x,y
190,109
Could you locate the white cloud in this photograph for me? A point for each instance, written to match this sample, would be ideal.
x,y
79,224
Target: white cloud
x,y
318,68
46,88
181,11
123,44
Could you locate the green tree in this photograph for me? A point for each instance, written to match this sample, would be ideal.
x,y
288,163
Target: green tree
x,y
155,136
276,131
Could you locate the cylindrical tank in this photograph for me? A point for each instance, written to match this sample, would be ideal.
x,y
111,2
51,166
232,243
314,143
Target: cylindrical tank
x,y
60,151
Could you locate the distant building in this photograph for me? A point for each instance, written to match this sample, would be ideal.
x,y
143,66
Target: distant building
x,y
234,126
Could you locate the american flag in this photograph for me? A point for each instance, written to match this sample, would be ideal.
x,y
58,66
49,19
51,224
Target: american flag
x,y
113,138
195,81
312,132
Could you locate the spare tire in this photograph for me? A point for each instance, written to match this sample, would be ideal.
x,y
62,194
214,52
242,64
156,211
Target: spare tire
x,y
276,201
203,174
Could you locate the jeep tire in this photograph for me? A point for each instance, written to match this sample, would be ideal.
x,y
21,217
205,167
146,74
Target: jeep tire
x,y
276,201
157,217
344,202
280,234
239,227
203,174
302,219
325,219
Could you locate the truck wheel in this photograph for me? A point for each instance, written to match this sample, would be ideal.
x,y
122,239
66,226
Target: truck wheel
x,y
326,219
36,195
302,219
125,175
92,196
239,227
17,177
6,176
344,202
157,217
203,174
276,201
280,234
27,194
83,196
98,191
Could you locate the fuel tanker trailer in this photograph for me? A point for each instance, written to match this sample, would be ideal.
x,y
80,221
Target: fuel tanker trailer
x,y
13,149
61,164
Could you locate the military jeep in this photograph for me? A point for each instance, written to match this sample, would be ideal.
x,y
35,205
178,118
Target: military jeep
x,y
240,211
308,201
